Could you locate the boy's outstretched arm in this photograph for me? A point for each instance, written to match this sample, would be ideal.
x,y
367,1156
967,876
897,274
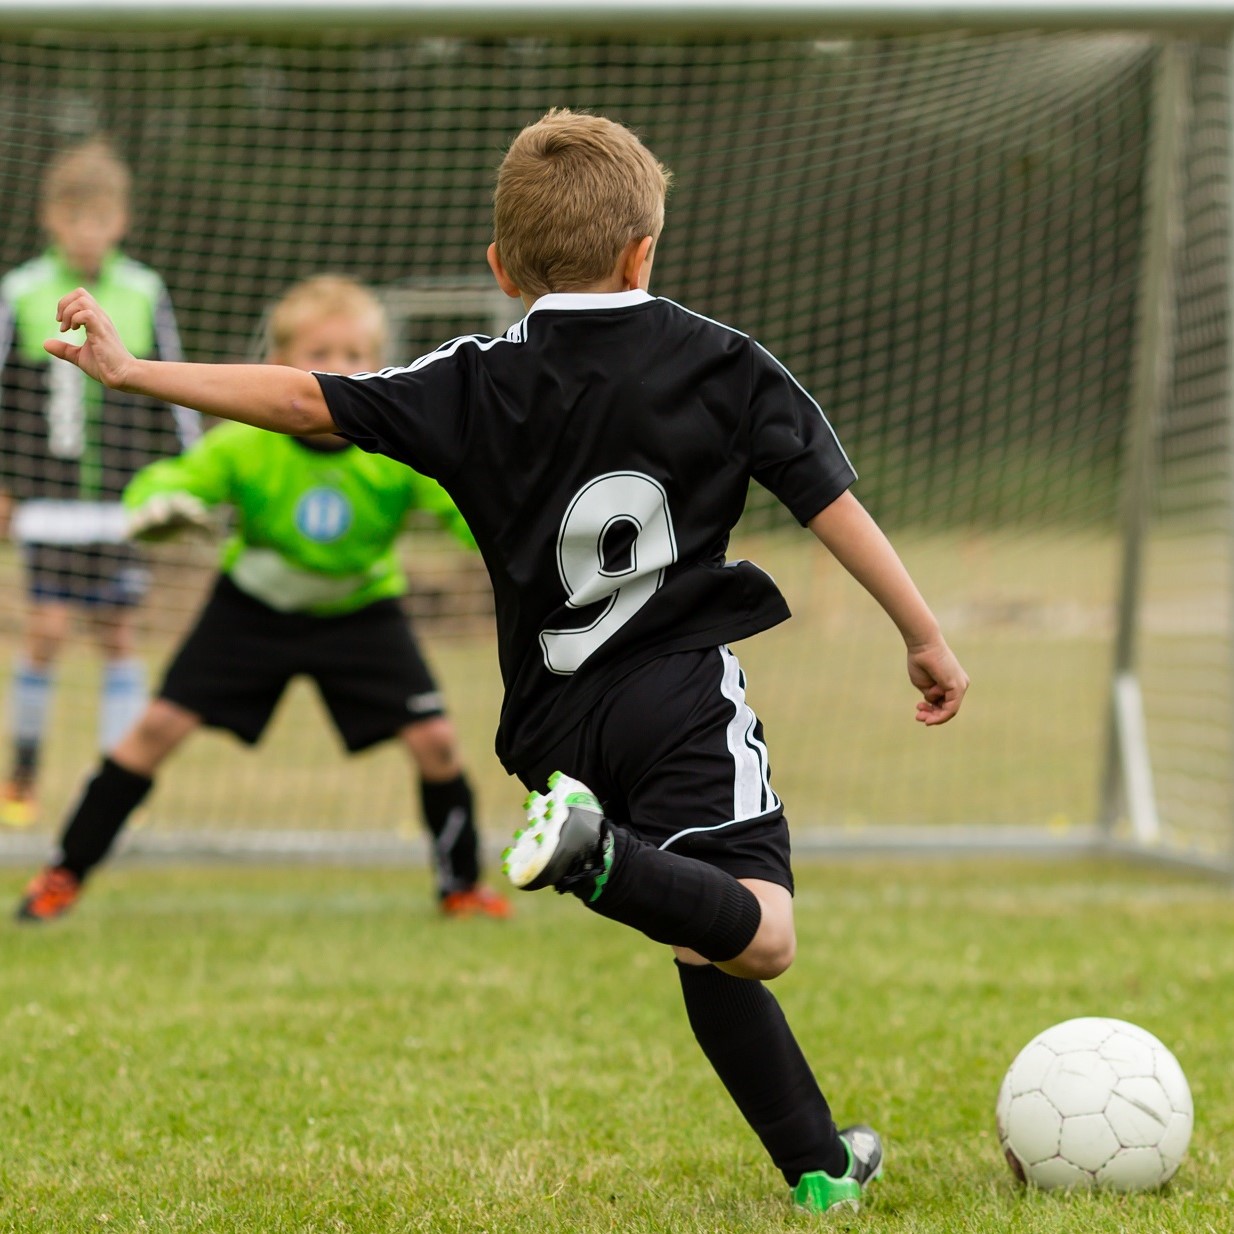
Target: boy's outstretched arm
x,y
858,544
269,396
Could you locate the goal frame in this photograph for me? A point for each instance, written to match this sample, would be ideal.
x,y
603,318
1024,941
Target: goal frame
x,y
642,17
1126,785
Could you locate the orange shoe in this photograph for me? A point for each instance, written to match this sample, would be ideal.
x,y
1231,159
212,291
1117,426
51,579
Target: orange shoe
x,y
18,804
475,902
51,893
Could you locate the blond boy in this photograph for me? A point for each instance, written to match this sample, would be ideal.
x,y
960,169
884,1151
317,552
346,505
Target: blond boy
x,y
601,452
68,446
310,584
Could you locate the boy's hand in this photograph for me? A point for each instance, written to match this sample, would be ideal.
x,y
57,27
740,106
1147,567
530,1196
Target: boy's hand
x,y
102,356
935,671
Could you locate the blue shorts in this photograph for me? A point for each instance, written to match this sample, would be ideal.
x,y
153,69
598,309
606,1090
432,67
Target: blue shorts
x,y
89,575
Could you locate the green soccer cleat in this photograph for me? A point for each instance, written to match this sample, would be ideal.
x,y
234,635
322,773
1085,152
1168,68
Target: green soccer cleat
x,y
818,1192
564,841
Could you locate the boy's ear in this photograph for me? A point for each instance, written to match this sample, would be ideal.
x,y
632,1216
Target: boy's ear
x,y
504,281
636,263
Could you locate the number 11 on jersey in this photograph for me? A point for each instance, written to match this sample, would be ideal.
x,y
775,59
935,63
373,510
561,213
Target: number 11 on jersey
x,y
615,542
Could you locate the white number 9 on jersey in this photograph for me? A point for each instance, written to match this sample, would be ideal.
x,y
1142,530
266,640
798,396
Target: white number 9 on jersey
x,y
614,544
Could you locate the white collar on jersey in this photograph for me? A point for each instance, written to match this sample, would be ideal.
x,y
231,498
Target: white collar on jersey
x,y
590,300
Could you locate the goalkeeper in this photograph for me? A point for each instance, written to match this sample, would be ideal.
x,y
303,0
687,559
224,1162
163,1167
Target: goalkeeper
x,y
310,583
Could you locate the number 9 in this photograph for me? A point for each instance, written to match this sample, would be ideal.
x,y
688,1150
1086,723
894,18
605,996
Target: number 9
x,y
627,513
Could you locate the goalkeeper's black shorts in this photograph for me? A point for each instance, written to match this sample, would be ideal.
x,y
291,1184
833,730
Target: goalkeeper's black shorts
x,y
234,665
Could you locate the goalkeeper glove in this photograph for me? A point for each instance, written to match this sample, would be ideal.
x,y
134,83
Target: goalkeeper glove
x,y
167,515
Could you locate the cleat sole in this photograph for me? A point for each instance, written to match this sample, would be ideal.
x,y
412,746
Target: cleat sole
x,y
531,850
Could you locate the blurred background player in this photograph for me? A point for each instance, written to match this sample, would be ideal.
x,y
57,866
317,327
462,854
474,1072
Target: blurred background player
x,y
310,583
68,447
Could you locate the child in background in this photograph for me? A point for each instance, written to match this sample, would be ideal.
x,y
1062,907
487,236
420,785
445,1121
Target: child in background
x,y
68,446
310,583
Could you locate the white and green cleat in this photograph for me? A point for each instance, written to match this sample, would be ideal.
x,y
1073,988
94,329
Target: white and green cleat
x,y
818,1192
564,839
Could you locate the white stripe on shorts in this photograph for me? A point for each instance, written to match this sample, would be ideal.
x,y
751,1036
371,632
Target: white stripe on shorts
x,y
753,795
752,792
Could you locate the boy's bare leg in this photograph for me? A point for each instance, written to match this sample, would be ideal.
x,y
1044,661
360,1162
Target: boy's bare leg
x,y
47,629
113,630
159,730
433,747
124,694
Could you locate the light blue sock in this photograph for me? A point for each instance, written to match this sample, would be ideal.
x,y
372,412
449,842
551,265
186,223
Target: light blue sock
x,y
29,702
124,699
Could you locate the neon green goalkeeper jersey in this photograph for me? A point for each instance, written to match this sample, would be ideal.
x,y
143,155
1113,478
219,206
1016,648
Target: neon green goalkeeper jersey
x,y
315,529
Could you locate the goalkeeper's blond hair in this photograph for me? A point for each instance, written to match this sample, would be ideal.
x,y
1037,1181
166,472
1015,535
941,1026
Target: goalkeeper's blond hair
x,y
324,295
572,191
86,174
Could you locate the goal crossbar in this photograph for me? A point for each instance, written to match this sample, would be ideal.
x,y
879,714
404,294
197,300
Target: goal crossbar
x,y
640,18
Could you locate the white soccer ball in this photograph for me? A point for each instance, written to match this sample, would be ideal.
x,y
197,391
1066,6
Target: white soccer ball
x,y
1095,1103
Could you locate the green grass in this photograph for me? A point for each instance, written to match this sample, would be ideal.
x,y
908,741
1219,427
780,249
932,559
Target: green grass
x,y
313,1050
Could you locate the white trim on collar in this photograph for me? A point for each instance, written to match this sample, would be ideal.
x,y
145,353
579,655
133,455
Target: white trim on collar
x,y
590,300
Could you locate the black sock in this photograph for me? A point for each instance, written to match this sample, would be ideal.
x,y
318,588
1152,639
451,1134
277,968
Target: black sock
x,y
673,899
449,813
104,808
25,761
748,1041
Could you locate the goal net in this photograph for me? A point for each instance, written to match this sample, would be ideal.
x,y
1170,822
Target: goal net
x,y
978,251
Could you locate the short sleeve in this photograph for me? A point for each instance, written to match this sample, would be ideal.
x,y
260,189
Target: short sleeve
x,y
794,451
415,415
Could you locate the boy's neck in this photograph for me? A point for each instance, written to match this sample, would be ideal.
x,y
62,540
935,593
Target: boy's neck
x,y
609,287
88,276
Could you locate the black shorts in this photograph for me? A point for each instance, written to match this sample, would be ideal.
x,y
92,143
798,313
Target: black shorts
x,y
232,668
675,754
92,575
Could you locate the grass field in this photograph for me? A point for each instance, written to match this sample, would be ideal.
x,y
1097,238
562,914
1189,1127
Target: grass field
x,y
278,1051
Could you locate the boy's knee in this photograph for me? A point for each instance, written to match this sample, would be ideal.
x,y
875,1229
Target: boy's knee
x,y
47,629
774,945
767,957
434,747
156,732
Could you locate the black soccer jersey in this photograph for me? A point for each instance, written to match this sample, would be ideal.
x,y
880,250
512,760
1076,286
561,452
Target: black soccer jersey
x,y
601,453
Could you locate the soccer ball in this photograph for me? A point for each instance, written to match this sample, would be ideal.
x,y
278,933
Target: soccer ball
x,y
1094,1103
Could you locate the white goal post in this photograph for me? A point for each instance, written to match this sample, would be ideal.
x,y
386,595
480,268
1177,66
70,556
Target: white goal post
x,y
995,240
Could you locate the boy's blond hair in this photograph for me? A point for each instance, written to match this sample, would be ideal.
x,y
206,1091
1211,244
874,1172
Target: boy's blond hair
x,y
572,191
324,295
85,174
